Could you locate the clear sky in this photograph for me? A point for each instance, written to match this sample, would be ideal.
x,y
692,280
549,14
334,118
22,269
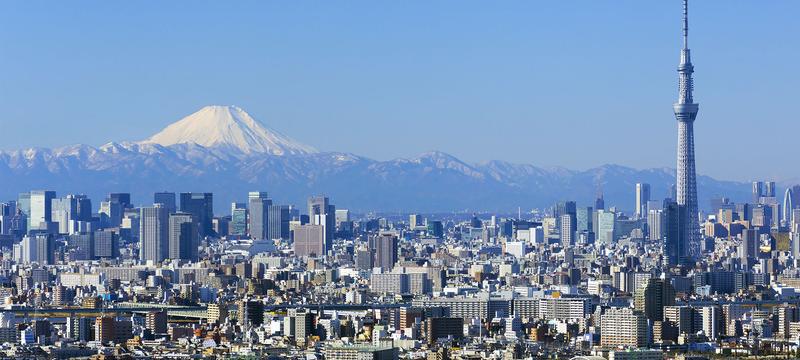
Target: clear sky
x,y
566,83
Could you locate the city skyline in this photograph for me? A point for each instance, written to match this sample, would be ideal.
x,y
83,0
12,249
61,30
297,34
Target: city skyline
x,y
221,236
104,118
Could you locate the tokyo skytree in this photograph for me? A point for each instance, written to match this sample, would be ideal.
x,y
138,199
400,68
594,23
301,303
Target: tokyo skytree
x,y
685,112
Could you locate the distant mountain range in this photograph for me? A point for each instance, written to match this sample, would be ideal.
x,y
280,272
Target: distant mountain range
x,y
222,149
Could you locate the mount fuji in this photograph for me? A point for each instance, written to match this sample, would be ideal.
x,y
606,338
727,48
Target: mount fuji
x,y
222,149
228,128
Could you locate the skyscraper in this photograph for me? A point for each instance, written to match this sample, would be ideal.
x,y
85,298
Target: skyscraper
x,y
415,220
84,209
259,204
201,206
309,240
606,220
123,199
41,208
167,199
795,195
153,233
110,213
279,219
769,189
642,197
655,221
675,233
567,230
183,238
238,224
758,191
788,205
685,112
321,212
106,244
384,248
748,250
45,249
565,208
583,219
599,203
64,211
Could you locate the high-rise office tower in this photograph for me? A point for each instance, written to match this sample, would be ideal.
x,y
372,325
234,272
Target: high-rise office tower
x,y
84,208
201,206
238,225
259,214
769,189
64,211
686,112
415,220
123,199
761,216
279,219
796,195
13,220
45,249
788,206
384,248
153,233
106,244
221,226
41,209
110,213
309,240
567,230
35,248
83,245
183,237
655,221
599,203
675,234
321,212
342,215
606,221
435,229
748,250
758,191
642,197
583,219
562,208
24,203
167,199
7,211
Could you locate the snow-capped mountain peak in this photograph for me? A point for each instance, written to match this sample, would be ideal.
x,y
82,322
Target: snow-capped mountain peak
x,y
228,127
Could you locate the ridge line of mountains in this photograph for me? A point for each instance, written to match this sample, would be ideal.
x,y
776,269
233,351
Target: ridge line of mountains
x,y
222,149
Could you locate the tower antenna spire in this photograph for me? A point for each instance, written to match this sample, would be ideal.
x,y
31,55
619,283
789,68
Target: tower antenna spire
x,y
683,248
685,24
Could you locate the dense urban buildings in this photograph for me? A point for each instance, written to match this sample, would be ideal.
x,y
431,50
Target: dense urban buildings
x,y
660,276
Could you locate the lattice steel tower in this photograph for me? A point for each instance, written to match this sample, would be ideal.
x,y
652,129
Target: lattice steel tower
x,y
685,112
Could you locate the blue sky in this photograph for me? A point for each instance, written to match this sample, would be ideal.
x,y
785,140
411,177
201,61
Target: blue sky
x,y
566,83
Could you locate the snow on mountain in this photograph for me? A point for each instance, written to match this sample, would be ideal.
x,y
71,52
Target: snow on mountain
x,y
223,150
228,127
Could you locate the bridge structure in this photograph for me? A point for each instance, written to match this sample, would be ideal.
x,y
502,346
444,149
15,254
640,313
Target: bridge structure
x,y
175,311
